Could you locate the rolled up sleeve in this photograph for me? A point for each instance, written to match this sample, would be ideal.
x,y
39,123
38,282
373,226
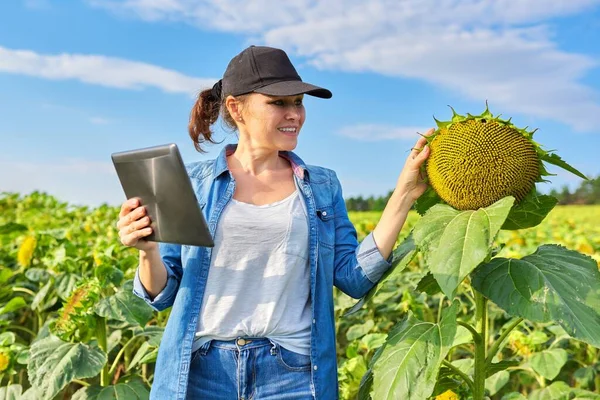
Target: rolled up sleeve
x,y
370,259
171,258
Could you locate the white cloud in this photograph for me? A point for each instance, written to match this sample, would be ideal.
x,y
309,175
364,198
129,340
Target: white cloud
x,y
375,132
76,181
497,50
99,70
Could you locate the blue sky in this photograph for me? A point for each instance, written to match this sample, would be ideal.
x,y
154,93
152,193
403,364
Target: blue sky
x,y
82,79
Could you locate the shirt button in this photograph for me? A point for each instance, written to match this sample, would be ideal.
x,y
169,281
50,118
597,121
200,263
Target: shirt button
x,y
324,213
315,367
314,321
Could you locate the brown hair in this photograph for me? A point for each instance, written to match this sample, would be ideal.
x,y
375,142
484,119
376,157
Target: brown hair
x,y
205,112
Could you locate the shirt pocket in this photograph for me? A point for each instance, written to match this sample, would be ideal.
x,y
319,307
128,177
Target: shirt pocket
x,y
326,226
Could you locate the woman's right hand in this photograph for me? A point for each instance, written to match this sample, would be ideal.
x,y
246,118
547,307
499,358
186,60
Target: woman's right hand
x,y
134,225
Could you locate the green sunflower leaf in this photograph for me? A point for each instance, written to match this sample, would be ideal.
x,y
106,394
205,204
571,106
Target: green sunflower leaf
x,y
552,284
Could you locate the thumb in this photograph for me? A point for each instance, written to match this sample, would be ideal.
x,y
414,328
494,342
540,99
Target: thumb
x,y
421,157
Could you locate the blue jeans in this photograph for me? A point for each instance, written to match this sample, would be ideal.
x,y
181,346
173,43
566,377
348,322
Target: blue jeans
x,y
249,369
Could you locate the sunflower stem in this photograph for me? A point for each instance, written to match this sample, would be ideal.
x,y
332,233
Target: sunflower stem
x,y
480,346
102,343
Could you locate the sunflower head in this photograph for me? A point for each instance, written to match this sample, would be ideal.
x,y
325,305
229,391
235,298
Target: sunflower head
x,y
476,160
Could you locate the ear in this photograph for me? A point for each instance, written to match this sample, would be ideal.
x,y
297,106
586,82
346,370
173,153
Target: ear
x,y
233,106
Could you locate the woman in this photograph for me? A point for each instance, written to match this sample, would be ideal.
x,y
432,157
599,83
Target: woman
x,y
252,318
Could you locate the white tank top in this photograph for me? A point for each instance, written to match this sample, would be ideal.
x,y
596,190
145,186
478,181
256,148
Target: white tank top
x,y
259,278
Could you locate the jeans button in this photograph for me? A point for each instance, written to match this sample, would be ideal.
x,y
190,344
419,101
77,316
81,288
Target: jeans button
x,y
241,342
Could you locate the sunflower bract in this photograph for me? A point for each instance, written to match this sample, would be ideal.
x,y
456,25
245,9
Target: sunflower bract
x,y
477,160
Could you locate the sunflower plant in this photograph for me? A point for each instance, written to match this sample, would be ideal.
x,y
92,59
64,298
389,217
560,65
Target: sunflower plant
x,y
482,172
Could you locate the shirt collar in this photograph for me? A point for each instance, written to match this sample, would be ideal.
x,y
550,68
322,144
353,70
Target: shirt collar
x,y
296,162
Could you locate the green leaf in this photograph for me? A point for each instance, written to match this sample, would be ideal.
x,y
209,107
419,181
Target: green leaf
x,y
113,340
30,394
350,372
65,283
552,284
373,341
41,295
548,363
530,212
360,330
12,227
409,362
150,357
133,390
11,392
513,396
13,304
556,391
23,357
537,337
125,306
500,366
496,382
7,338
154,334
455,242
366,386
463,336
427,200
585,377
446,381
559,162
581,394
429,285
109,274
5,274
37,275
54,363
142,351
401,257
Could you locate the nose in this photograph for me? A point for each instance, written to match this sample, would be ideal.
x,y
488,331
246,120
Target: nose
x,y
294,113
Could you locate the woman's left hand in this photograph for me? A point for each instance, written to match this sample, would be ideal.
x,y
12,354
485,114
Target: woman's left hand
x,y
411,183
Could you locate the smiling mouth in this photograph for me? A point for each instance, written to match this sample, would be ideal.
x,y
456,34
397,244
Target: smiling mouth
x,y
288,130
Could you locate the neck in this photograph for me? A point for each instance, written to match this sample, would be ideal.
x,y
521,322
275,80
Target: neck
x,y
254,159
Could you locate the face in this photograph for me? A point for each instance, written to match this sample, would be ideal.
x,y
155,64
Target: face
x,y
273,122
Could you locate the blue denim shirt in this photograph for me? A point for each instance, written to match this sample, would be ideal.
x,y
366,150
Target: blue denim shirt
x,y
336,258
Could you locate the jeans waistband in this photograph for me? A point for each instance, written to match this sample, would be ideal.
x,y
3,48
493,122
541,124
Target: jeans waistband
x,y
242,343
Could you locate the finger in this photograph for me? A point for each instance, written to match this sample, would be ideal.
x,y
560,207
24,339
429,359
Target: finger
x,y
135,226
421,143
140,224
129,205
133,216
421,157
132,238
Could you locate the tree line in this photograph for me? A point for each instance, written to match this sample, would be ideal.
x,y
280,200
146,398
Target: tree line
x,y
588,192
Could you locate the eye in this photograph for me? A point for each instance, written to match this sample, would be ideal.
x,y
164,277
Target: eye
x,y
278,103
298,102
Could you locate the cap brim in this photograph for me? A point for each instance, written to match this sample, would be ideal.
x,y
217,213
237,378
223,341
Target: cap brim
x,y
292,88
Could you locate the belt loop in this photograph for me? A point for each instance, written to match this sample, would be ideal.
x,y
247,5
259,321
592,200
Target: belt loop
x,y
204,348
273,347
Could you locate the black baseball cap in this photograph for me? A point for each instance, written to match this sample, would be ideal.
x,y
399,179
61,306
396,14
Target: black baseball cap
x,y
266,70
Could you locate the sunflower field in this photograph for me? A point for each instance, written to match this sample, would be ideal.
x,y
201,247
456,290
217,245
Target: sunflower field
x,y
71,328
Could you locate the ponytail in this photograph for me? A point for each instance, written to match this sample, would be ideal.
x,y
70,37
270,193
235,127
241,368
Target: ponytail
x,y
206,111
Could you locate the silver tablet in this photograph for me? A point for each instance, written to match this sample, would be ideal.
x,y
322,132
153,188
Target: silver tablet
x,y
158,177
